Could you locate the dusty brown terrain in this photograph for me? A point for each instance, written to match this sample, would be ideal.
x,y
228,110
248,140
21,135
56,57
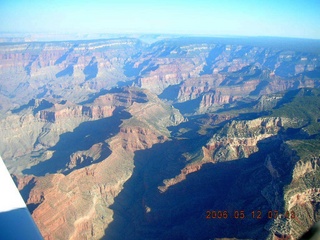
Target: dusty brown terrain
x,y
118,139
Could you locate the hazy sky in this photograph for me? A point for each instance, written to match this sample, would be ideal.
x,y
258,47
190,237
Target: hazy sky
x,y
292,18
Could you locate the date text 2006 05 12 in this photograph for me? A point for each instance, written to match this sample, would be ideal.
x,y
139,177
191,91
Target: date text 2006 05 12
x,y
241,214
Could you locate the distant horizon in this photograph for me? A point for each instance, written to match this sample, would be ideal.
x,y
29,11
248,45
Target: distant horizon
x,y
265,18
151,33
86,36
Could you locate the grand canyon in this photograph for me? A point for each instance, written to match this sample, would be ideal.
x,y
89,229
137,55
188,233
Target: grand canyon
x,y
177,138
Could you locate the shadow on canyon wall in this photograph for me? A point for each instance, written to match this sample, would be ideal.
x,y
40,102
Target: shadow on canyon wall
x,y
82,138
141,211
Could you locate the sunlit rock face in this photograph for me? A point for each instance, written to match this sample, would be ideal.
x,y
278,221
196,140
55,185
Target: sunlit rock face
x,y
119,139
215,71
70,69
101,157
219,73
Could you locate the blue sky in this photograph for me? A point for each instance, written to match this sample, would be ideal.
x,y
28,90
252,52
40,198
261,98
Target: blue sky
x,y
288,18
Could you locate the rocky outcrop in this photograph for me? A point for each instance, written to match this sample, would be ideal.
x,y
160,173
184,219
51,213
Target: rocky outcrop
x,y
115,163
71,69
236,140
199,66
47,121
219,73
32,57
302,195
193,88
167,183
239,139
139,138
169,72
84,193
218,98
93,112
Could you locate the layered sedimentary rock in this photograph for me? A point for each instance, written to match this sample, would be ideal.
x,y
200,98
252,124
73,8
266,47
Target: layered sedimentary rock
x,y
219,73
197,66
73,69
120,163
84,211
237,140
240,139
287,168
39,124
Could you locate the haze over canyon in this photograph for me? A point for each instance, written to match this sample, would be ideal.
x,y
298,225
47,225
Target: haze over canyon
x,y
181,138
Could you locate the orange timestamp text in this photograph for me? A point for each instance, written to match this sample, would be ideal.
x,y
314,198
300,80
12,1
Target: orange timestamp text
x,y
255,214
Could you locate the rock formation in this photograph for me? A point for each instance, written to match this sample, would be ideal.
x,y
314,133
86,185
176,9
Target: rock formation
x,y
187,138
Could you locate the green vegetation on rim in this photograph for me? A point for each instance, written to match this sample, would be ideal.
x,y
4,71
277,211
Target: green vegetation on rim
x,y
306,148
302,105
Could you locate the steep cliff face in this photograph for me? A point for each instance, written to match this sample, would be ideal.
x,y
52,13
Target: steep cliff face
x,y
94,177
240,139
69,69
259,168
123,163
31,130
34,58
302,195
220,73
36,130
217,71
236,140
